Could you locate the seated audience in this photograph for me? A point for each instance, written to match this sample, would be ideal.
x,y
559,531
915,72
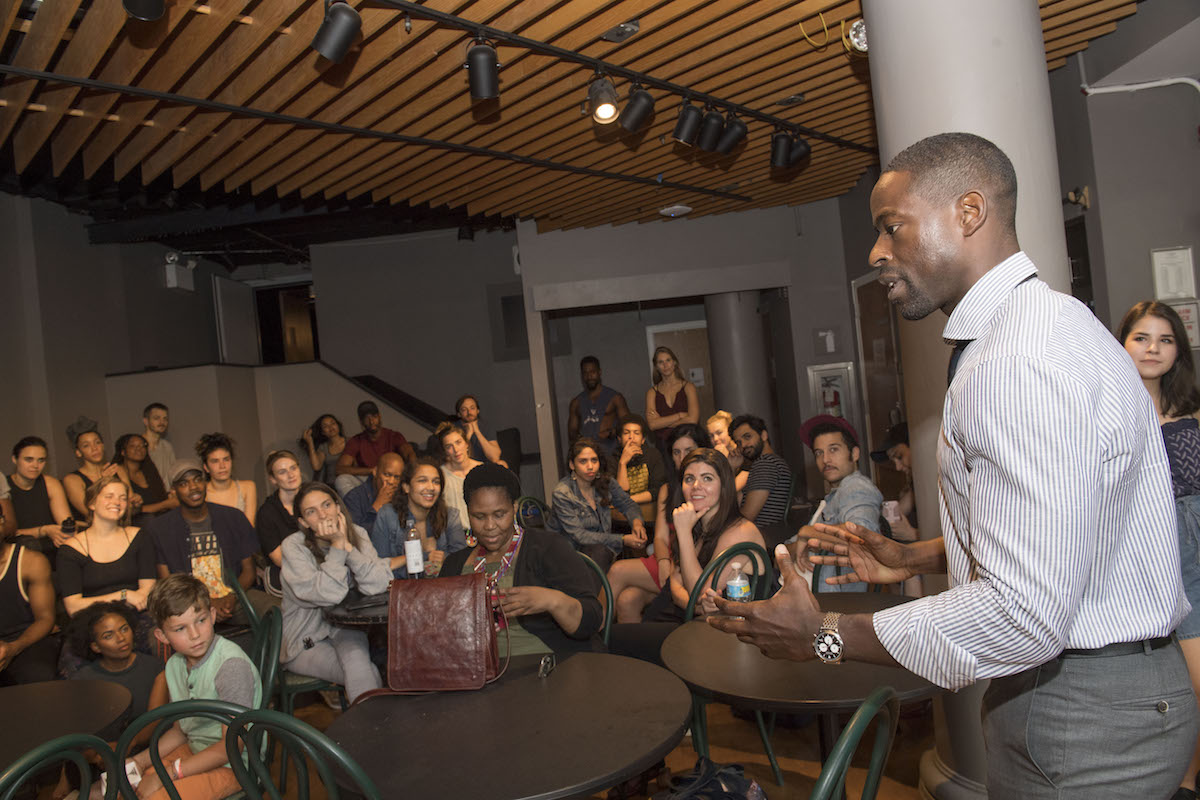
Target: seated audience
x,y
595,411
896,451
209,541
852,497
672,399
205,666
365,500
324,442
706,523
583,501
276,519
89,449
39,503
544,588
766,498
363,450
106,633
156,418
637,581
457,464
216,454
109,559
148,496
640,469
326,558
483,448
28,653
718,430
419,503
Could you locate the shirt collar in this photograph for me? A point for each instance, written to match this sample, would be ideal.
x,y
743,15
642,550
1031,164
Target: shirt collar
x,y
973,314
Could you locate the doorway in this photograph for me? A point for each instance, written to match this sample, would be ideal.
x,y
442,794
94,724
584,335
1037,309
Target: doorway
x,y
882,376
287,321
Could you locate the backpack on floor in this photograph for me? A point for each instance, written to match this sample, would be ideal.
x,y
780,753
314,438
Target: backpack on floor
x,y
709,780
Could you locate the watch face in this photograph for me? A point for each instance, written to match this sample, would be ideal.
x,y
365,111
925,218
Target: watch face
x,y
828,646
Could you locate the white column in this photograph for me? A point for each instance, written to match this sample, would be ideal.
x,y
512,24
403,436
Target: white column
x,y
737,347
939,66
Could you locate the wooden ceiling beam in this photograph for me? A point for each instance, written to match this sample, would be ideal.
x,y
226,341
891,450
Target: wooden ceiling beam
x,y
34,51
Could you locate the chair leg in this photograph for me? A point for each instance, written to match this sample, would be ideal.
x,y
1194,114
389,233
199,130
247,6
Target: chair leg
x,y
766,740
699,726
286,702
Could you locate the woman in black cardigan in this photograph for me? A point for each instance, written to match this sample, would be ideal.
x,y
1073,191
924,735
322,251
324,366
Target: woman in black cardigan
x,y
547,592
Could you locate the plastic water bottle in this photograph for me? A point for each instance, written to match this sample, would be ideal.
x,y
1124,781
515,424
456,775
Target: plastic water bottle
x,y
738,588
413,554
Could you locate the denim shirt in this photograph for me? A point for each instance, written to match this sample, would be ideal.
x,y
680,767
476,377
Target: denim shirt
x,y
855,500
586,525
388,535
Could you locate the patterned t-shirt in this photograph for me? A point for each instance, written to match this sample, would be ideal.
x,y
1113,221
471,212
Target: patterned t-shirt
x,y
204,553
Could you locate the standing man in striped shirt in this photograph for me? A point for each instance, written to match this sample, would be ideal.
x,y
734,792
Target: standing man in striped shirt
x,y
1056,510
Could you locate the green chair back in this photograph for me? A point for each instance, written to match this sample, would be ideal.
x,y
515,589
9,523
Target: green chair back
x,y
882,704
532,512
251,614
163,718
301,742
760,584
609,600
265,652
65,748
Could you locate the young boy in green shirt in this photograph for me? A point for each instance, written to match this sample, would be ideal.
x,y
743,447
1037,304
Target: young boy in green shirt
x,y
204,667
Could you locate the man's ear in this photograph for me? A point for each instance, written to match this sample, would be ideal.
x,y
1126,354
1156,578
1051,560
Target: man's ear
x,y
972,211
854,453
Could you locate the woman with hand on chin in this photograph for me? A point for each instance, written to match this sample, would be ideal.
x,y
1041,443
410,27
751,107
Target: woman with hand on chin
x,y
420,504
149,496
1156,340
327,557
583,501
544,587
324,441
89,449
482,448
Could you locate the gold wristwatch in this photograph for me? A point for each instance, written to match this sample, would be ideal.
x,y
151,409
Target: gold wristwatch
x,y
827,642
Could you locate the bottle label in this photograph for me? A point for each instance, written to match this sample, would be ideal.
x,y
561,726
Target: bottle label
x,y
414,556
738,591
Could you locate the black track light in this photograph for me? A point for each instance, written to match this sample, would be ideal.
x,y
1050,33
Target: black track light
x,y
735,131
688,124
710,130
800,150
338,32
145,10
781,149
637,110
483,71
602,100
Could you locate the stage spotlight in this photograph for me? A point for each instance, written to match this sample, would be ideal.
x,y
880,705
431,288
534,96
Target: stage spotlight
x,y
735,131
483,71
800,150
688,124
602,100
145,10
781,149
710,130
338,32
637,110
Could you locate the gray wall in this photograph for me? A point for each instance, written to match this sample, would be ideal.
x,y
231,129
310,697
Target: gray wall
x,y
74,312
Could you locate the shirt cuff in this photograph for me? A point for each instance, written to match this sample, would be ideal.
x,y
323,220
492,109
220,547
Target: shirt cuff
x,y
908,632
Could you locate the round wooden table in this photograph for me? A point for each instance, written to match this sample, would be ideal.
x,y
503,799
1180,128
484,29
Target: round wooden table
x,y
37,713
595,721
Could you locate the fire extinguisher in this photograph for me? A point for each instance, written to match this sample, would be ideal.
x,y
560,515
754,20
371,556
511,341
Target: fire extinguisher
x,y
831,401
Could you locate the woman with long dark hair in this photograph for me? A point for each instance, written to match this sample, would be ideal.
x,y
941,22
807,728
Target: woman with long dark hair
x,y
1154,336
148,496
327,557
419,503
583,501
324,441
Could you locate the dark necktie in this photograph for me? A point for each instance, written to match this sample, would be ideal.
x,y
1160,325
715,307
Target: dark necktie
x,y
959,346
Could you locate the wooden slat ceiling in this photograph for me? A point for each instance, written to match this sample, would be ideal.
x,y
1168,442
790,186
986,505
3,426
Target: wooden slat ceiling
x,y
257,55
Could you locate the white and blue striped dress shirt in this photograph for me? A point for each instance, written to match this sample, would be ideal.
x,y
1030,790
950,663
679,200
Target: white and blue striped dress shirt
x,y
1056,502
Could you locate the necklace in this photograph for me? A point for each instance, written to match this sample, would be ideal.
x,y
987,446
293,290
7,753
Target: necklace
x,y
506,560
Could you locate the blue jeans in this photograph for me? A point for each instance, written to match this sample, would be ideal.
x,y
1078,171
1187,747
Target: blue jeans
x,y
1187,513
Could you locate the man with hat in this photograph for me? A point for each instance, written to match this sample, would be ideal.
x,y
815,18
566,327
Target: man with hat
x,y
209,541
358,460
852,497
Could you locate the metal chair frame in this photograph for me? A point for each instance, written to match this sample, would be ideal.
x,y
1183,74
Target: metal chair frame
x,y
882,704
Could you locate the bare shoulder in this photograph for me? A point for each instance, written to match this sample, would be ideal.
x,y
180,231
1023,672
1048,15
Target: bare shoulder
x,y
35,566
741,531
